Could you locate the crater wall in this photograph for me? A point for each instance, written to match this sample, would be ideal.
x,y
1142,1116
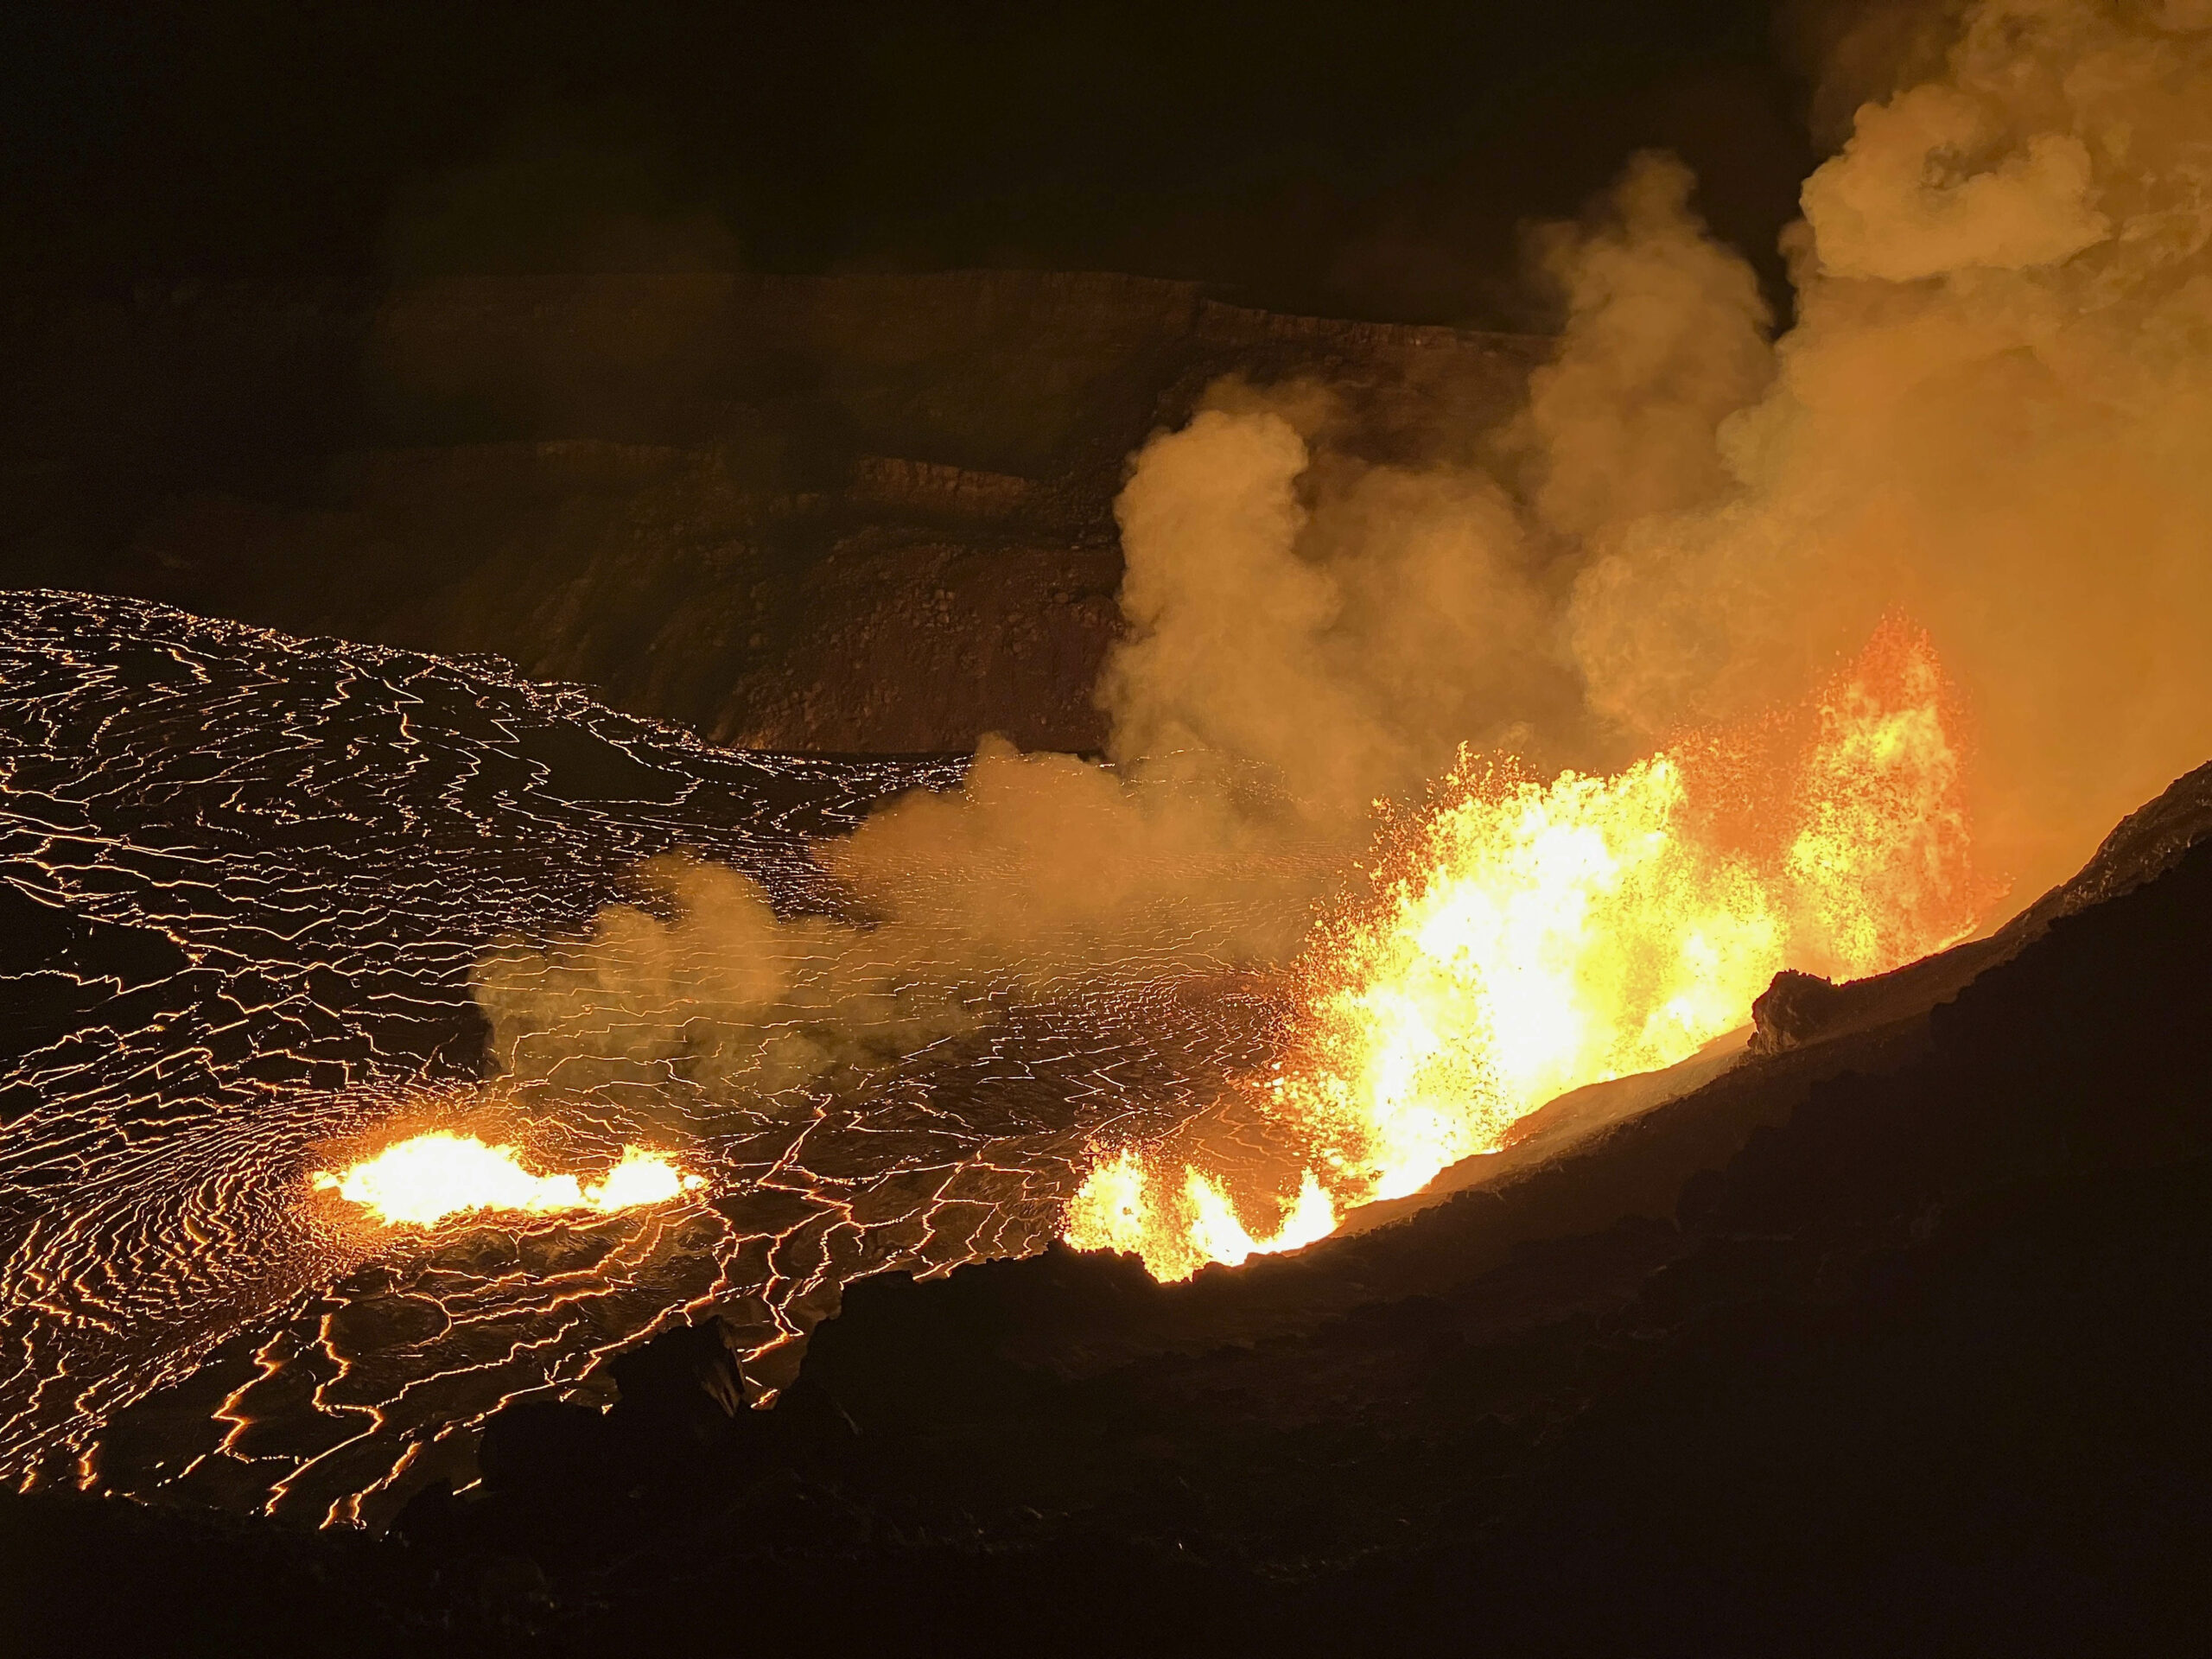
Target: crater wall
x,y
858,513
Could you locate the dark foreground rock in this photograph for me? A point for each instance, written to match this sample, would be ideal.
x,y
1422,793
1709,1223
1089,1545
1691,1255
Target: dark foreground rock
x,y
1794,1009
1916,1367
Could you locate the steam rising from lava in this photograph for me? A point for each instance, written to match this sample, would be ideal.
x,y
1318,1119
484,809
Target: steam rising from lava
x,y
1992,412
1526,938
1994,415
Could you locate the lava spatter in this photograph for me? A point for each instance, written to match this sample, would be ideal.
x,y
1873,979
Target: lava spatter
x,y
1528,937
428,1177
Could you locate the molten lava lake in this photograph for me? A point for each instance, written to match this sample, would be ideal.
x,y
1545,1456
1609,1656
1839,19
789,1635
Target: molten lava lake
x,y
396,1039
250,884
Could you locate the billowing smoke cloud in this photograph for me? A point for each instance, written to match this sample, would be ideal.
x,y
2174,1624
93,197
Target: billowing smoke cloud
x,y
1991,414
1666,337
1347,624
1043,876
1344,628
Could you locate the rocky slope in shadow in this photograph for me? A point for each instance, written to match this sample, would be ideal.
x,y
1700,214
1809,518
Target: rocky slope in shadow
x,y
1901,1349
825,514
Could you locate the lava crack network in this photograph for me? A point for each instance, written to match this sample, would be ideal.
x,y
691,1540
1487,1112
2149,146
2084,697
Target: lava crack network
x,y
248,880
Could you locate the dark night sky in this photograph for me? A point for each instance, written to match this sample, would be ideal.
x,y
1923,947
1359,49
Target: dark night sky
x,y
1363,159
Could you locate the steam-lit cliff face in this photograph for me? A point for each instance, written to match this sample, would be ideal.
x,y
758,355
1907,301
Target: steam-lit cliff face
x,y
806,513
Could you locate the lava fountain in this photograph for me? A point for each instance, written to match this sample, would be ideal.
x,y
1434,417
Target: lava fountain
x,y
420,1181
1524,939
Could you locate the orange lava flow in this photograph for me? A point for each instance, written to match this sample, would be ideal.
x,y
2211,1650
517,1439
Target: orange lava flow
x,y
420,1181
1526,938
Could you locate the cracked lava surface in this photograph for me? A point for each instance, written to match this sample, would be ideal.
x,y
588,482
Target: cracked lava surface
x,y
247,879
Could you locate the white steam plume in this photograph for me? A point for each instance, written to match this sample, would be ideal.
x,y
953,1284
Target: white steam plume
x,y
1993,412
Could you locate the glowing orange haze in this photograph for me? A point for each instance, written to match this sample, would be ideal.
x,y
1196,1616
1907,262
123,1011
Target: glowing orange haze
x,y
422,1180
1526,938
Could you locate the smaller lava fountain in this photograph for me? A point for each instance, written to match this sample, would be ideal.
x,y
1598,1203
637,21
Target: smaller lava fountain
x,y
1524,940
420,1181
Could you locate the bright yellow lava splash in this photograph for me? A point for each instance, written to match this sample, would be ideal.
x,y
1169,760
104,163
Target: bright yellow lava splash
x,y
1180,1231
420,1181
1527,938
